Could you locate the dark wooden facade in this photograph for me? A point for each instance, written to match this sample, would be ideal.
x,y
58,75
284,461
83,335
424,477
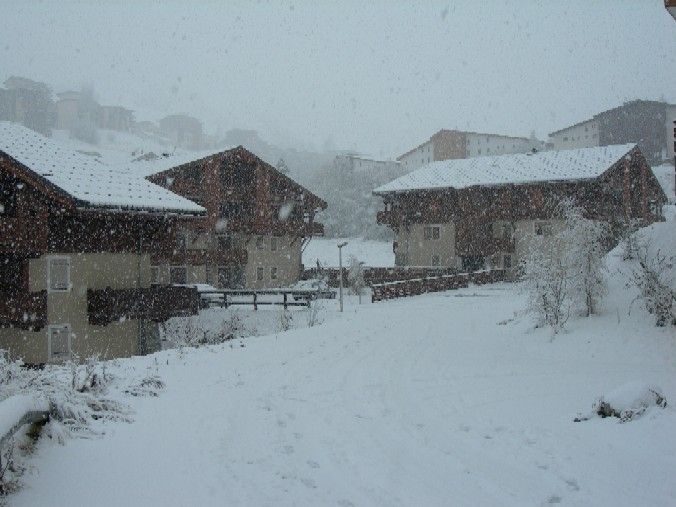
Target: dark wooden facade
x,y
242,195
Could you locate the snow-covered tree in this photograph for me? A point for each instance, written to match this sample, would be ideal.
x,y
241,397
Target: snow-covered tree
x,y
585,250
566,271
355,276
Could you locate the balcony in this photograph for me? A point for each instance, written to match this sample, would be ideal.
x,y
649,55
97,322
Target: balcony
x,y
484,246
157,303
20,235
23,310
221,257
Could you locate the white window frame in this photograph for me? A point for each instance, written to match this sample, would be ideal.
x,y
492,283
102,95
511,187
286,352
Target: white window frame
x,y
55,327
178,267
49,273
260,273
260,242
273,269
273,244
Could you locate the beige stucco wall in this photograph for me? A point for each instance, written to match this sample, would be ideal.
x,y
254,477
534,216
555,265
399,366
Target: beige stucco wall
x,y
418,251
286,259
95,271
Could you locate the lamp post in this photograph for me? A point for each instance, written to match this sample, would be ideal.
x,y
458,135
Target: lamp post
x,y
340,272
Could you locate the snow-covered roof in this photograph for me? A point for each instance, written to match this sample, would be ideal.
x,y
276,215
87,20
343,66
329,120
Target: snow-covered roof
x,y
87,179
162,163
580,164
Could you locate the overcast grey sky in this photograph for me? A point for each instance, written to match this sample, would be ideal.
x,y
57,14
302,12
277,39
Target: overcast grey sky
x,y
378,78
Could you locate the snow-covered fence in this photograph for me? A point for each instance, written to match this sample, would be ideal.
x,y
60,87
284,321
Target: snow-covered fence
x,y
290,297
414,287
378,275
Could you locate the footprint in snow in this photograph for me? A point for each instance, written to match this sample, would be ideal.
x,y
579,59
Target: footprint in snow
x,y
288,449
308,483
312,464
554,499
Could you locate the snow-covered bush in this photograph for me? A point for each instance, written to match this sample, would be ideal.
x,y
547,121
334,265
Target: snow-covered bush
x,y
652,275
315,313
547,284
566,271
627,403
285,319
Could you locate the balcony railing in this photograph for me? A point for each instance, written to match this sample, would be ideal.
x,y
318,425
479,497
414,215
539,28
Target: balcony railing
x,y
221,257
157,303
22,235
24,310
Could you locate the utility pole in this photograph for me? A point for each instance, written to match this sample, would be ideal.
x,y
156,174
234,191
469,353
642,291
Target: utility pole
x,y
340,272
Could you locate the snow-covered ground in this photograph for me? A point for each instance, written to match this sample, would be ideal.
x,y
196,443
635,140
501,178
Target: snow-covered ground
x,y
443,399
371,253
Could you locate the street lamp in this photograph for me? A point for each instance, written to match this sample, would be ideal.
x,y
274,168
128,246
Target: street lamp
x,y
340,272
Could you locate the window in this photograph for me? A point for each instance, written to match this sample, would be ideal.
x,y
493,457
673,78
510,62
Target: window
x,y
273,273
58,274
507,262
543,229
224,242
154,274
178,275
260,242
59,342
260,274
431,232
273,244
435,261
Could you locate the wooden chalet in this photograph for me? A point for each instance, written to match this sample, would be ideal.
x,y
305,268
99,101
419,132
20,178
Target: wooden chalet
x,y
482,212
76,238
258,221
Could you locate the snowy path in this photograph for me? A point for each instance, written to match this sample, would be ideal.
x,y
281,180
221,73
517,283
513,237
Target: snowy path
x,y
425,401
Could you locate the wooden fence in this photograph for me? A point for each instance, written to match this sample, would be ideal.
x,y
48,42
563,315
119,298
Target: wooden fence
x,y
415,287
378,275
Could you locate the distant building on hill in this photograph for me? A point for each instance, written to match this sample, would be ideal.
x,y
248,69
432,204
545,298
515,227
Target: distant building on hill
x,y
457,144
29,103
360,164
647,123
183,131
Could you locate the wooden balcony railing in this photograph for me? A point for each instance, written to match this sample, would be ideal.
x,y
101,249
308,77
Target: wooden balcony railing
x,y
20,235
233,256
23,310
157,303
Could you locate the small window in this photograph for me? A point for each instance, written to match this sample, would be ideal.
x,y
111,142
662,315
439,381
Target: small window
x,y
178,275
507,262
273,244
543,229
154,275
273,273
431,232
59,342
435,261
260,274
58,274
260,242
